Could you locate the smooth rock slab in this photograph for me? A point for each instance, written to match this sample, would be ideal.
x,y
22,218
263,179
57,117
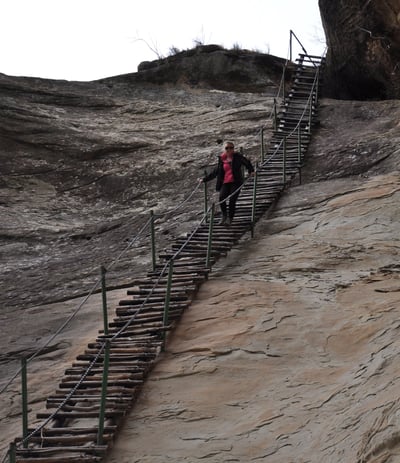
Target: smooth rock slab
x,y
289,351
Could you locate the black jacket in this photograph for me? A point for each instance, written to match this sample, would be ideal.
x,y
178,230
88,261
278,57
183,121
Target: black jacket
x,y
238,160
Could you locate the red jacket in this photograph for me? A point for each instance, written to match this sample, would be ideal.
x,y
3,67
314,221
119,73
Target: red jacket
x,y
238,160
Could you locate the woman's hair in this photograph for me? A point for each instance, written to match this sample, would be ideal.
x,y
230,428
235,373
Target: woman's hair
x,y
229,143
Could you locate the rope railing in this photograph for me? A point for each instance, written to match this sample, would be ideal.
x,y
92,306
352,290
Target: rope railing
x,y
115,336
289,58
75,312
94,288
90,293
292,34
6,456
157,282
170,211
313,91
68,397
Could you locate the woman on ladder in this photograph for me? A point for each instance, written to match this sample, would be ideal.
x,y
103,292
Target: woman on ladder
x,y
229,179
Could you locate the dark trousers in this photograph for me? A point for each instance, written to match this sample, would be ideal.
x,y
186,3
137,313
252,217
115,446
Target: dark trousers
x,y
226,190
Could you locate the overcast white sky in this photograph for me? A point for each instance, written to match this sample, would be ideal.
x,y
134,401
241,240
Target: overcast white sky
x,y
91,39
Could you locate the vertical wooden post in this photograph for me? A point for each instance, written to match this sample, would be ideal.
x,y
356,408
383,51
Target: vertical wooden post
x,y
210,235
262,144
253,211
104,298
284,161
299,150
299,143
24,392
167,300
275,121
205,199
11,453
103,393
153,241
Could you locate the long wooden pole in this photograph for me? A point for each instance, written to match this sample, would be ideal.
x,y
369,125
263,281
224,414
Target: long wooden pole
x,y
24,391
210,236
153,240
167,299
103,392
104,298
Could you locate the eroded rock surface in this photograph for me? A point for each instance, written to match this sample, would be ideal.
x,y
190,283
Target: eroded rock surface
x,y
82,165
289,351
363,57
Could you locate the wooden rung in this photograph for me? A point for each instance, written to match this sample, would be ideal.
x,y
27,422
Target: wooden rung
x,y
123,345
111,407
97,391
68,383
66,439
112,379
149,311
129,332
190,278
71,430
140,365
59,459
134,374
89,354
140,300
31,452
89,398
176,291
172,315
76,415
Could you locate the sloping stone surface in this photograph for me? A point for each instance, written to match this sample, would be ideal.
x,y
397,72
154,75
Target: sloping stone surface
x,y
288,353
83,164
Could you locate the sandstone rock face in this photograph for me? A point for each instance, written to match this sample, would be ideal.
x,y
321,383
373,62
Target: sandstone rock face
x,y
289,351
363,41
84,163
82,166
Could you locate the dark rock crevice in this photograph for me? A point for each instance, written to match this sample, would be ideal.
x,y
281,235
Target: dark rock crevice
x,y
363,55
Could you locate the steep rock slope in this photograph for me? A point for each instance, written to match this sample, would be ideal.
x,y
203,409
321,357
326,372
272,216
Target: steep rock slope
x,y
289,352
82,166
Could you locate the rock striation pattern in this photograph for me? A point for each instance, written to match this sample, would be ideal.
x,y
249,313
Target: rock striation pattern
x,y
289,352
82,165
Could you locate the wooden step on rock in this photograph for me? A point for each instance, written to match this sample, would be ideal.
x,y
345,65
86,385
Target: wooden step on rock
x,y
99,450
24,457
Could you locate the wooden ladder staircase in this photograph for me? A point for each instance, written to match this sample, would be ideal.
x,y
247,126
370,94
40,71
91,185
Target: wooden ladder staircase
x,y
70,430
